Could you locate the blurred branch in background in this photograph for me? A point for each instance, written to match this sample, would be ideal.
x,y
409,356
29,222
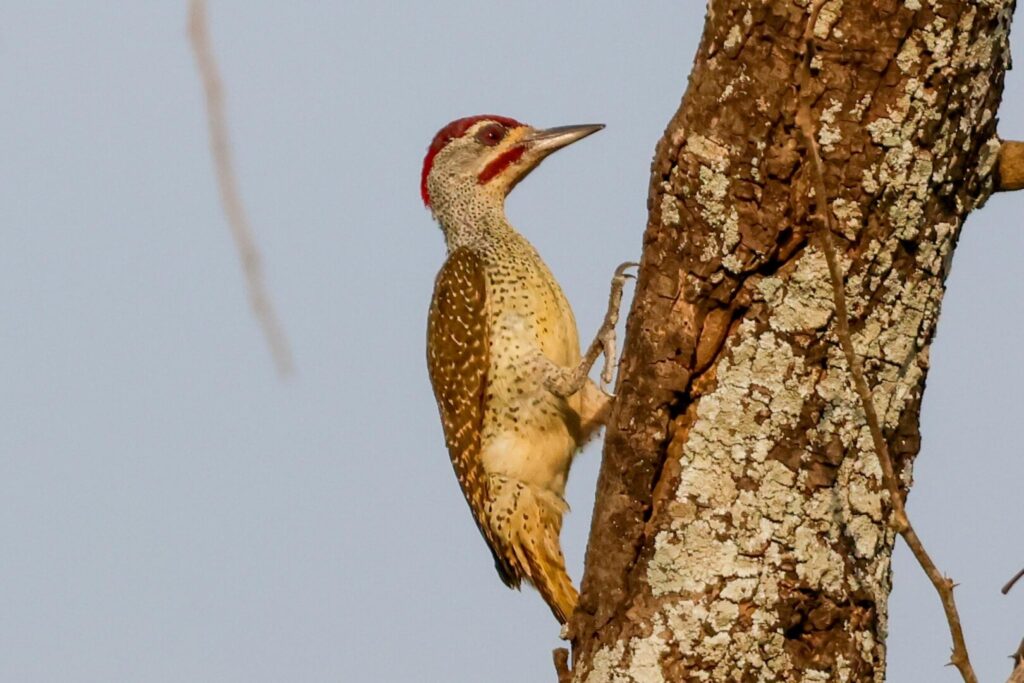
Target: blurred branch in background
x,y
199,36
1009,584
1018,670
1018,657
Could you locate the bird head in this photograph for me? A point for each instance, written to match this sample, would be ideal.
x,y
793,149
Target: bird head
x,y
488,155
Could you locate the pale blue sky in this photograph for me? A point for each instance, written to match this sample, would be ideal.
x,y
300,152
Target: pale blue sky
x,y
171,511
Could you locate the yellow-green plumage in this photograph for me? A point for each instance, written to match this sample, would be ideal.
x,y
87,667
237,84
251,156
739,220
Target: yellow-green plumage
x,y
499,327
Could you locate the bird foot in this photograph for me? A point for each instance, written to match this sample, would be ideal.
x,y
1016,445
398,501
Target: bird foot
x,y
565,382
606,335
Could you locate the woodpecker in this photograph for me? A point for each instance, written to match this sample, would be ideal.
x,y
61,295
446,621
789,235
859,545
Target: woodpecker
x,y
503,351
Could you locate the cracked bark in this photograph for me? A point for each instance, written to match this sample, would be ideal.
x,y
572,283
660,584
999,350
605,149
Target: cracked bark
x,y
740,529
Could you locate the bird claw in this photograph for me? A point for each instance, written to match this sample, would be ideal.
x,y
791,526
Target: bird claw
x,y
608,349
620,272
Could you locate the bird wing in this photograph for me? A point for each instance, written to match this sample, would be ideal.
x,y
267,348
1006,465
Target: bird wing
x,y
458,360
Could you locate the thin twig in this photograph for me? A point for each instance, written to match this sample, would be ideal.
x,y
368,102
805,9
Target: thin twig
x,y
1009,584
1018,669
899,521
199,35
1010,169
561,657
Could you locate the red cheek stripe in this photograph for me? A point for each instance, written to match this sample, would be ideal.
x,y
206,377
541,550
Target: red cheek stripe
x,y
504,160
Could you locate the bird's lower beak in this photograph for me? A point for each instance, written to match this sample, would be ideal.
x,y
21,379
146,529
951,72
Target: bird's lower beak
x,y
539,144
544,142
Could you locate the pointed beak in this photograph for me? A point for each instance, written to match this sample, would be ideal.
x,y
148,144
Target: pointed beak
x,y
536,145
544,142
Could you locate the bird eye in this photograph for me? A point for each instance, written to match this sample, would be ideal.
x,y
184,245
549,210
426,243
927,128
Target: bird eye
x,y
491,134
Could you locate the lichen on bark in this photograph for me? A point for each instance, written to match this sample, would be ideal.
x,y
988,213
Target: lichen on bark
x,y
740,531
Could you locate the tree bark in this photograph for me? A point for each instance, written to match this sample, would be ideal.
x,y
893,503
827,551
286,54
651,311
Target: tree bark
x,y
741,525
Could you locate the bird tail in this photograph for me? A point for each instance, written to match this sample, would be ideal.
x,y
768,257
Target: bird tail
x,y
530,521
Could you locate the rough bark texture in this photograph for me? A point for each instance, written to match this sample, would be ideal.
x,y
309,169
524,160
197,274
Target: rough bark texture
x,y
740,527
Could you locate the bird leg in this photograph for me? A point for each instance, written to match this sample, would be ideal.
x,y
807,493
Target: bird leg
x,y
565,382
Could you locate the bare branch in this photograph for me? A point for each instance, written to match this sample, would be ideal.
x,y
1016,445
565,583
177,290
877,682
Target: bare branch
x,y
1010,171
1018,670
1009,584
900,522
561,657
233,209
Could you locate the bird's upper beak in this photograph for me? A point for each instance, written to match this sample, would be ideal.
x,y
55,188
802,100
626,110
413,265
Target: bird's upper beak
x,y
541,143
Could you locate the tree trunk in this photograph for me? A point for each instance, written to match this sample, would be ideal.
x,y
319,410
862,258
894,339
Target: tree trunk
x,y
740,530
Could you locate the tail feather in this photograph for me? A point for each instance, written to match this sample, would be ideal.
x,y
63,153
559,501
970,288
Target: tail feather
x,y
549,577
526,522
